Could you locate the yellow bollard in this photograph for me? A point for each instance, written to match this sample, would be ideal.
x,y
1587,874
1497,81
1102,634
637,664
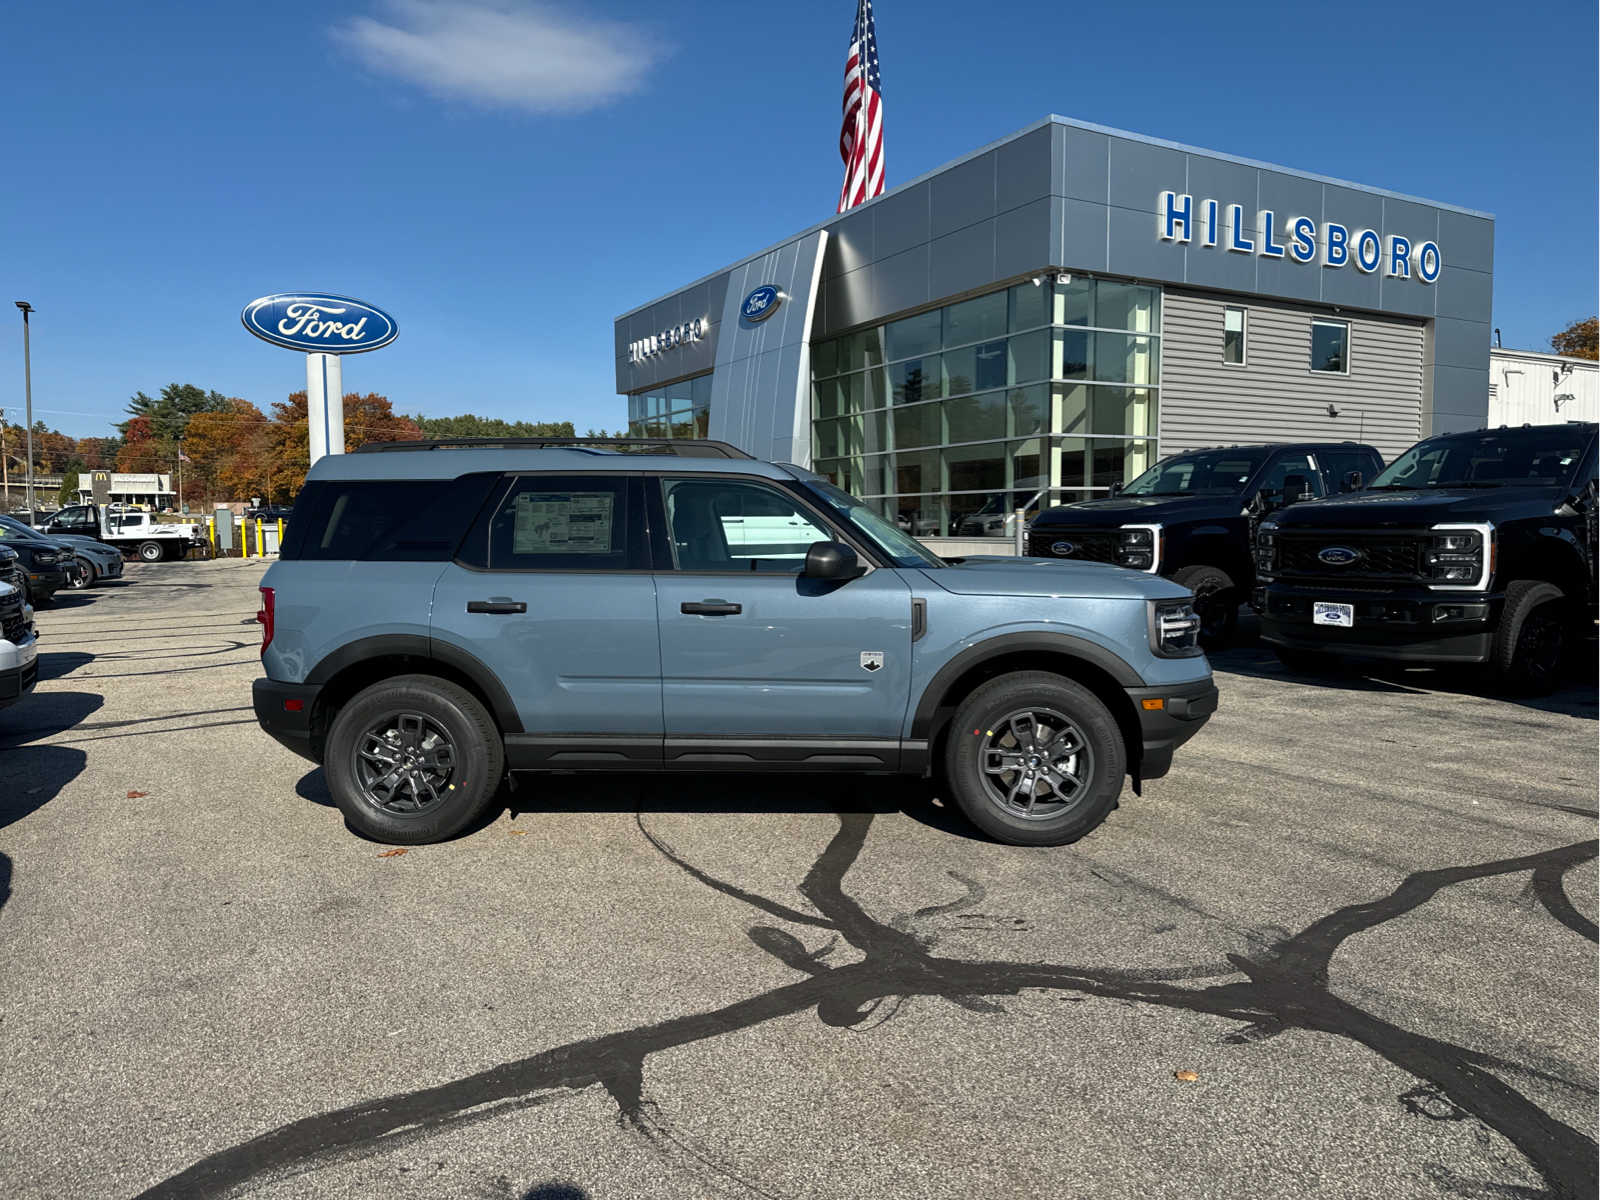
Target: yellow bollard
x,y
280,537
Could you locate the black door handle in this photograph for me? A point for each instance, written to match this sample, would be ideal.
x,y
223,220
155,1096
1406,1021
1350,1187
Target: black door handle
x,y
710,608
496,606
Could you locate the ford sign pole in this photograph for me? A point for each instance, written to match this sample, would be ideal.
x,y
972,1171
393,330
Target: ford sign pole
x,y
325,404
27,384
326,327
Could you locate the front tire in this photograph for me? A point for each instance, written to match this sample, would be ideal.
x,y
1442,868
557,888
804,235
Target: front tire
x,y
151,551
1216,602
1035,759
79,575
1531,642
413,759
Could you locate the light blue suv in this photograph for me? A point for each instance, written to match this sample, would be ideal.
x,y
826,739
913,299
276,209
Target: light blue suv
x,y
444,612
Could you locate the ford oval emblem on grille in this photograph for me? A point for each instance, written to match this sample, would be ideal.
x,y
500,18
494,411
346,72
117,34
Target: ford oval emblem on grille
x,y
1062,548
1338,556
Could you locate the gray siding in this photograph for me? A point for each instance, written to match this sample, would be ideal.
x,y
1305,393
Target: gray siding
x,y
1274,396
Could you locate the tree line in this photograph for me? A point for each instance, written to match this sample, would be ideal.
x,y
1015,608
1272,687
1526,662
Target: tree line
x,y
231,449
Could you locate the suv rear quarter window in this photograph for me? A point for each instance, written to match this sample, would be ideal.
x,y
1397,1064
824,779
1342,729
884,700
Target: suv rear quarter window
x,y
384,520
561,523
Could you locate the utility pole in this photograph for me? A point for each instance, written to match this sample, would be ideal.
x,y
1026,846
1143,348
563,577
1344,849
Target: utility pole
x,y
5,465
27,377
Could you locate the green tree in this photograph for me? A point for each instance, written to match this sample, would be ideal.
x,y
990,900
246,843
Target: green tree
x,y
169,413
472,425
69,489
1581,339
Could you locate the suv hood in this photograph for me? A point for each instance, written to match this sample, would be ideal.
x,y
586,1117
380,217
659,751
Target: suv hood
x,y
1141,510
1419,508
995,575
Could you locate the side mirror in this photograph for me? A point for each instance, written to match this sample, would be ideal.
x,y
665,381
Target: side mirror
x,y
830,560
1295,488
1116,489
1353,481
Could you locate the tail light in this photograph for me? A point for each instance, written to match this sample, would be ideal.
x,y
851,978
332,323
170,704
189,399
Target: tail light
x,y
267,615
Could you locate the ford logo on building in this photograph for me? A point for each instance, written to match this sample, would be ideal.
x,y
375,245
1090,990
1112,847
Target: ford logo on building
x,y
319,323
1062,549
1338,556
760,304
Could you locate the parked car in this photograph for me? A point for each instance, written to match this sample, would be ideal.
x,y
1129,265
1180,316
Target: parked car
x,y
11,567
91,560
1189,517
268,512
1469,548
35,516
129,529
45,565
19,650
439,616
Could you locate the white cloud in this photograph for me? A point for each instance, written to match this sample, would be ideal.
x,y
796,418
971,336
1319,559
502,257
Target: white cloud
x,y
503,55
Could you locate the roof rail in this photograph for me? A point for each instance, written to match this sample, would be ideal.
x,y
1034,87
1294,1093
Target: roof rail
x,y
680,447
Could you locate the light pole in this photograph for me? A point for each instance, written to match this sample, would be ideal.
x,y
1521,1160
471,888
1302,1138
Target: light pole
x,y
27,383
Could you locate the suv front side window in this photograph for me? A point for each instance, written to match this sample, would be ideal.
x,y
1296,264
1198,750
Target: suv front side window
x,y
73,518
736,525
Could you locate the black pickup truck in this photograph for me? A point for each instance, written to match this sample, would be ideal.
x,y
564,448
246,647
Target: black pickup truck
x,y
1470,548
1189,517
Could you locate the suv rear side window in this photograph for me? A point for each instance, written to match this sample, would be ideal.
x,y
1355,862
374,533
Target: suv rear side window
x,y
561,523
384,520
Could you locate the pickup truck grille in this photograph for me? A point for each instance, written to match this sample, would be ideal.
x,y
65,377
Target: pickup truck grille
x,y
12,627
1385,557
1088,545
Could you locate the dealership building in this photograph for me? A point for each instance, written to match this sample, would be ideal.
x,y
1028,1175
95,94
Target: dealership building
x,y
1055,311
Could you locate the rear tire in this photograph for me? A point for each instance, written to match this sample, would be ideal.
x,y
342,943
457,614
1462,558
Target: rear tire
x,y
1064,751
413,759
1531,643
151,551
1216,602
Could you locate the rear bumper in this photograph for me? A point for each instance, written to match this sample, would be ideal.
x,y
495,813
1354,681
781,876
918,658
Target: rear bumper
x,y
1403,624
284,711
1185,708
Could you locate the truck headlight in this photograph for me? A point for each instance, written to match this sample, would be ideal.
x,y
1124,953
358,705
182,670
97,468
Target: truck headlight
x,y
1174,628
1140,547
1459,557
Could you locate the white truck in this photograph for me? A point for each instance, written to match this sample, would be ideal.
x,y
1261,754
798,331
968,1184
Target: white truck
x,y
131,530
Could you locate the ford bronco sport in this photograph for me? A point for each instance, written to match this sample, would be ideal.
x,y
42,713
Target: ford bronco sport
x,y
444,612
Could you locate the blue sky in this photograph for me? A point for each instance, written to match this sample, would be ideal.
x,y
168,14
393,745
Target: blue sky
x,y
505,178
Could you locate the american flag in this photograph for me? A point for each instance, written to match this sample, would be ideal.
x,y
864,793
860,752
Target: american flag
x,y
861,138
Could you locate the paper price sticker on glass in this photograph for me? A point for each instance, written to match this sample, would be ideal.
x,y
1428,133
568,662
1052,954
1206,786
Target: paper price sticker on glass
x,y
562,523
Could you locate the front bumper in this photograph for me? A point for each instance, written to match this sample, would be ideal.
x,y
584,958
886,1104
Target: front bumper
x,y
19,668
46,583
1184,708
1408,624
284,710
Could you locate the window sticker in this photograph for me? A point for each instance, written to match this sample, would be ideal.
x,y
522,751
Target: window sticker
x,y
562,523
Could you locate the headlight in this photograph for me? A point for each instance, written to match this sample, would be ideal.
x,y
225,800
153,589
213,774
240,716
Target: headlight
x,y
46,558
1174,628
1140,547
1459,557
1266,547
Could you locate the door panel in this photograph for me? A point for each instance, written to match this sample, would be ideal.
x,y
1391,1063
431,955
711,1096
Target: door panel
x,y
561,606
797,658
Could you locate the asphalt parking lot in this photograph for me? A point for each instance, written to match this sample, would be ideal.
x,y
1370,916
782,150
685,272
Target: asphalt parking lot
x,y
1347,948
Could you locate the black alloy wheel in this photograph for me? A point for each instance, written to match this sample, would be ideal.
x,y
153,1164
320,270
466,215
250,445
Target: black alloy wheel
x,y
79,575
1036,764
404,763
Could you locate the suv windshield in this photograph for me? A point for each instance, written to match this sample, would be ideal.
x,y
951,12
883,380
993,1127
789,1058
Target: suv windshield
x,y
900,548
1204,473
1490,458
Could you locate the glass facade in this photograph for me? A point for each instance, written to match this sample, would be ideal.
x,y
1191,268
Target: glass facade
x,y
948,420
677,410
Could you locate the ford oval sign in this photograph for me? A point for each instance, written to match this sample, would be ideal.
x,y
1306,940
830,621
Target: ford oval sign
x,y
1338,556
760,304
319,323
1062,548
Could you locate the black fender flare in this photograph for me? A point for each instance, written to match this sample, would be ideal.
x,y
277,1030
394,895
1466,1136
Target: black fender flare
x,y
1012,643
416,646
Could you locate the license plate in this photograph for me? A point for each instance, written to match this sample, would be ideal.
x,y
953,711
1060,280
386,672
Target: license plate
x,y
1324,613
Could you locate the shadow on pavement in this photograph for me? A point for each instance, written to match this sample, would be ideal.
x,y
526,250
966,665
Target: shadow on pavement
x,y
56,663
62,601
42,715
722,792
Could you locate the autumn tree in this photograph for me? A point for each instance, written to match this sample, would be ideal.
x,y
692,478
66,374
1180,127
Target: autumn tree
x,y
229,451
140,452
1581,339
368,418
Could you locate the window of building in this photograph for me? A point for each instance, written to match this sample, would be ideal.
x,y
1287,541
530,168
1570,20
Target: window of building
x,y
1233,336
674,410
1330,347
1051,388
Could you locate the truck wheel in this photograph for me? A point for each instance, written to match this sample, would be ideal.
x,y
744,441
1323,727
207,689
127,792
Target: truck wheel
x,y
1531,641
1034,759
151,551
1216,602
413,759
